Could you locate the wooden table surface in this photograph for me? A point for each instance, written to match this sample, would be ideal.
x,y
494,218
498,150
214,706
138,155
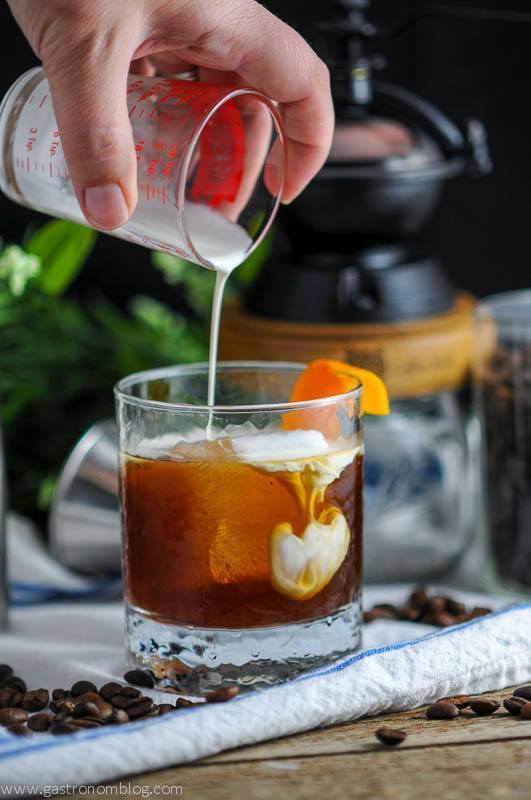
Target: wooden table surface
x,y
470,757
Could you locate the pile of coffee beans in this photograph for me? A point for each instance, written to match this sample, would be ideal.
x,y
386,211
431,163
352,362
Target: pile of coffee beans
x,y
430,610
451,708
84,706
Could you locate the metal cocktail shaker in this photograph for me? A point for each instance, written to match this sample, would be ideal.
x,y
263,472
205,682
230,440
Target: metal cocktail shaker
x,y
84,519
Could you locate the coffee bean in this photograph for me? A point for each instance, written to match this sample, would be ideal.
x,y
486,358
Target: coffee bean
x,y
442,711
436,605
479,611
454,607
5,670
108,690
105,709
222,694
459,700
418,598
85,722
484,706
166,708
525,711
19,730
60,727
523,691
59,694
82,687
388,608
390,736
119,701
130,691
17,698
87,710
182,702
7,695
380,613
88,697
140,677
141,709
62,716
514,704
10,698
153,712
35,700
441,619
40,722
10,716
374,614
119,717
64,704
14,682
410,614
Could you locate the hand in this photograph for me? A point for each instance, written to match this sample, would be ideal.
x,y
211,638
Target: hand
x,y
88,47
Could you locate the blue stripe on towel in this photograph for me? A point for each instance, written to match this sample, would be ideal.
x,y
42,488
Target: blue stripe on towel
x,y
24,594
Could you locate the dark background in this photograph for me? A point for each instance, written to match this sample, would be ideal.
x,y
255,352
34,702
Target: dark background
x,y
467,68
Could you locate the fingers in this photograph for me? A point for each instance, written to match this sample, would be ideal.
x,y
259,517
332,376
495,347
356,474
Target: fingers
x,y
88,79
374,139
268,55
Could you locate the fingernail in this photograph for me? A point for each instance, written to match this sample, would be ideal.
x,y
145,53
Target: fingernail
x,y
105,206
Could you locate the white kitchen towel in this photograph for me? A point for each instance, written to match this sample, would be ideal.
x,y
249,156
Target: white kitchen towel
x,y
53,645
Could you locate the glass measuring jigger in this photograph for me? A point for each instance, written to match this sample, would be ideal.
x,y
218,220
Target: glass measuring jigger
x,y
210,164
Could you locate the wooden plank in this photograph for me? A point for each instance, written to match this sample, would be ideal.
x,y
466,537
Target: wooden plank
x,y
474,772
358,736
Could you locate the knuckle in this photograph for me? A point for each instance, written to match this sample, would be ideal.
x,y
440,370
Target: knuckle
x,y
320,72
95,145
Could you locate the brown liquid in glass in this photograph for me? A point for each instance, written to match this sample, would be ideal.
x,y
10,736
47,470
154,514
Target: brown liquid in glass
x,y
196,542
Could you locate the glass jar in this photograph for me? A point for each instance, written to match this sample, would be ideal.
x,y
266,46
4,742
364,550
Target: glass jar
x,y
416,489
503,403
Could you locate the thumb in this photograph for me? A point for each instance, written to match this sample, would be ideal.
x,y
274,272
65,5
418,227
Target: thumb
x,y
88,85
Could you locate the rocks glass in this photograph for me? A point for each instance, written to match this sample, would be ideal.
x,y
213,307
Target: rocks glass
x,y
241,525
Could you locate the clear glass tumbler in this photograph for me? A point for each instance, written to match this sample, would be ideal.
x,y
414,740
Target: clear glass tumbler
x,y
210,164
242,525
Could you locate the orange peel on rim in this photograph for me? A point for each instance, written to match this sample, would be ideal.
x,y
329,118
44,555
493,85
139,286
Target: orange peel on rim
x,y
326,377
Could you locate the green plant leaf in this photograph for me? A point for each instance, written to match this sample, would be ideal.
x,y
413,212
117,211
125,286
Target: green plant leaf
x,y
247,272
62,247
172,267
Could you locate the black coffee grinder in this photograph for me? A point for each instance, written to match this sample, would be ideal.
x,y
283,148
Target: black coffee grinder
x,y
350,250
349,278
